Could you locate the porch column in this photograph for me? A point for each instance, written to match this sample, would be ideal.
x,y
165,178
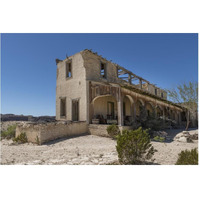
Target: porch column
x,y
156,110
163,115
120,111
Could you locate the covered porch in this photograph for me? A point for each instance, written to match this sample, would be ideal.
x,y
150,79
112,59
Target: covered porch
x,y
112,104
107,110
108,105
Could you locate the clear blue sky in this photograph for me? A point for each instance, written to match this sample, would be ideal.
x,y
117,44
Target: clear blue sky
x,y
28,68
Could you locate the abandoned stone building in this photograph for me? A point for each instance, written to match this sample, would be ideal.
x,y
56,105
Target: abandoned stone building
x,y
97,91
92,92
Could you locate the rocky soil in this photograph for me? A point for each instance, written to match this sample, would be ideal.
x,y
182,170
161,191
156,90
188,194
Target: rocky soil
x,y
85,150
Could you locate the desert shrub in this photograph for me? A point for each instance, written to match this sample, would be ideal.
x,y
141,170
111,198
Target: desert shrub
x,y
113,131
151,122
134,147
9,133
22,138
159,139
154,123
188,157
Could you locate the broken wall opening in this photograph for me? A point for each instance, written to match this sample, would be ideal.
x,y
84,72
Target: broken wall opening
x,y
63,107
75,110
103,70
68,69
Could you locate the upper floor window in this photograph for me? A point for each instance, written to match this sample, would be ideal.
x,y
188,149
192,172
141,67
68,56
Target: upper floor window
x,y
68,69
162,95
103,70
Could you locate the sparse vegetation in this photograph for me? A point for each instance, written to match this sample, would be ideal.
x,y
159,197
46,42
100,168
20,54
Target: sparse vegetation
x,y
37,140
159,139
113,131
186,95
151,122
22,138
9,133
188,157
134,147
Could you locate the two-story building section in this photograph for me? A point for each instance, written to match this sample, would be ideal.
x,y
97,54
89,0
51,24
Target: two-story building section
x,y
93,89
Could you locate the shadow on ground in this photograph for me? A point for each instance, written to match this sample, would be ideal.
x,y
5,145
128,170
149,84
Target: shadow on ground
x,y
65,138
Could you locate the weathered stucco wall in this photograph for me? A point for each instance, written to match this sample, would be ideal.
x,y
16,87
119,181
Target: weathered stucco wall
x,y
92,64
99,130
71,88
50,131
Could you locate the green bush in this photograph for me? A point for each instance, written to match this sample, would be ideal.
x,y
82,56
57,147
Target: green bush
x,y
22,138
151,122
9,133
113,131
159,139
188,157
134,147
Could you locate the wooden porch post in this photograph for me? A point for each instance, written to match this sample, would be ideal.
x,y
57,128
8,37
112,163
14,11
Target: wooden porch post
x,y
163,115
120,110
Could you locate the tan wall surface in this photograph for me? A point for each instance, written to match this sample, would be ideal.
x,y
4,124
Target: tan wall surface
x,y
92,65
121,128
101,129
127,106
32,132
52,130
71,88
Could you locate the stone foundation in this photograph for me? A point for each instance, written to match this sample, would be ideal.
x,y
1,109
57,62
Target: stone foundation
x,y
101,129
44,132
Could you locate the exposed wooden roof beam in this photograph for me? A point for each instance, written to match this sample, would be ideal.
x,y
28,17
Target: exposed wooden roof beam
x,y
131,73
121,73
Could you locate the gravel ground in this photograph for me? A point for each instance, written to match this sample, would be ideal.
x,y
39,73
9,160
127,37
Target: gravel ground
x,y
84,150
87,149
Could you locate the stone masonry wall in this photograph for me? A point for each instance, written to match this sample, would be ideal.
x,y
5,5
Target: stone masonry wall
x,y
101,129
50,131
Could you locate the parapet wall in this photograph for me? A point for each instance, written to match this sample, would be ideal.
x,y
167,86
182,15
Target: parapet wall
x,y
44,132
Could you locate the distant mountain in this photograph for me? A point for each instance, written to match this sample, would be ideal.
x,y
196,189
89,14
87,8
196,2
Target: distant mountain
x,y
12,117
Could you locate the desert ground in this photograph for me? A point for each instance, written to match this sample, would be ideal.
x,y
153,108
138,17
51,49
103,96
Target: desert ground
x,y
85,150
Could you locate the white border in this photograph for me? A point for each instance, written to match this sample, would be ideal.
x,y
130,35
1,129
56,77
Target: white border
x,y
99,182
